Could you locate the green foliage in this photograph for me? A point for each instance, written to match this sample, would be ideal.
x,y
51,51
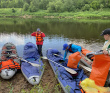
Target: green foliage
x,y
11,91
91,9
34,6
51,7
68,88
56,5
95,5
68,5
86,7
102,13
101,6
10,87
43,4
57,88
25,6
13,10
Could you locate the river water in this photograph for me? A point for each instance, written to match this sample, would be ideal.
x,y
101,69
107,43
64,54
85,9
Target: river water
x,y
85,33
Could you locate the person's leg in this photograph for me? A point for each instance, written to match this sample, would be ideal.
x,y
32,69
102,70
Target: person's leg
x,y
40,50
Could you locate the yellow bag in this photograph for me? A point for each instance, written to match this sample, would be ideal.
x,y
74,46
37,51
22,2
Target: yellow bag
x,y
89,86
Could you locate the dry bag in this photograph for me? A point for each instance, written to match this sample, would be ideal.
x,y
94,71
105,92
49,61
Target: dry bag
x,y
73,60
100,69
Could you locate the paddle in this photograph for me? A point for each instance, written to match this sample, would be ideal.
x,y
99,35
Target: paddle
x,y
67,69
33,64
86,68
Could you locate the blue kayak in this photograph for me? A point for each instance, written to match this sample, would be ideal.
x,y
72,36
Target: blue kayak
x,y
69,82
32,73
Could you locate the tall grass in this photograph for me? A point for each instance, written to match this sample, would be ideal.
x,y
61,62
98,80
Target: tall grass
x,y
40,89
103,13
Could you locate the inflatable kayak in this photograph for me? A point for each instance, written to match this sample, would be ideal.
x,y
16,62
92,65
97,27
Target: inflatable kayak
x,y
8,64
70,83
90,59
29,69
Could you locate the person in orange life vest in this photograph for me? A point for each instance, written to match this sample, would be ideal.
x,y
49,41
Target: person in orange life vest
x,y
39,40
71,48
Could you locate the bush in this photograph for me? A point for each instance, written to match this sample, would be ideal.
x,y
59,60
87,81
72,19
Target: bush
x,y
91,9
51,7
33,9
13,10
25,6
86,7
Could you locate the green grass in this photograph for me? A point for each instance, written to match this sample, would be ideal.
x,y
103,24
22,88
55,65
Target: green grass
x,y
7,12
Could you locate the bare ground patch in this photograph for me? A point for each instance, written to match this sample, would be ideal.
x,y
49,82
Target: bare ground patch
x,y
18,84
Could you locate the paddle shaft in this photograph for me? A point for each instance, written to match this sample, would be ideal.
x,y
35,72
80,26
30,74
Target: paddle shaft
x,y
33,64
67,69
56,63
25,60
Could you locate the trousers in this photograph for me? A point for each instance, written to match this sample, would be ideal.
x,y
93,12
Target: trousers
x,y
40,50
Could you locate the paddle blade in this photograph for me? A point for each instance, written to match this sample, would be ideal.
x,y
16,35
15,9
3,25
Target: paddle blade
x,y
35,65
44,57
70,70
86,68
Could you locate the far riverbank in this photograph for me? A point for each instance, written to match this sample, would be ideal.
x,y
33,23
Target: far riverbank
x,y
18,12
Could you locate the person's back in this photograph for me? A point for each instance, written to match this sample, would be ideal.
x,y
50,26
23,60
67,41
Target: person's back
x,y
72,48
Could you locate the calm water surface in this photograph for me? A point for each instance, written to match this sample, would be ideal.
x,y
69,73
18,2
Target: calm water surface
x,y
57,31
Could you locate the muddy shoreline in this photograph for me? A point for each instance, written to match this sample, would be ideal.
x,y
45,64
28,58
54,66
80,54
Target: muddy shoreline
x,y
18,84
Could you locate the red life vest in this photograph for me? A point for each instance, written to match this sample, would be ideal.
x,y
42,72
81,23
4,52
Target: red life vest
x,y
70,48
39,38
9,64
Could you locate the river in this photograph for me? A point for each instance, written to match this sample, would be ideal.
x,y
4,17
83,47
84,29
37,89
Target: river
x,y
85,33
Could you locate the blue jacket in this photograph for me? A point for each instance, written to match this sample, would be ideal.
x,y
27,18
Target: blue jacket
x,y
74,49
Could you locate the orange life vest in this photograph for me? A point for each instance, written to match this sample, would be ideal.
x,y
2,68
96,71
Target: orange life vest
x,y
39,38
9,64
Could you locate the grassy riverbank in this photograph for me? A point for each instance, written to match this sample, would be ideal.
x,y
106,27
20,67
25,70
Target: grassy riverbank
x,y
18,12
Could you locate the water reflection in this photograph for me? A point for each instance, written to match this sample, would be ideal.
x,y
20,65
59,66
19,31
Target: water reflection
x,y
53,41
58,31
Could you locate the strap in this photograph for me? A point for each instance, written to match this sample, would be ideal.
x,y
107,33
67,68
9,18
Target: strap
x,y
70,45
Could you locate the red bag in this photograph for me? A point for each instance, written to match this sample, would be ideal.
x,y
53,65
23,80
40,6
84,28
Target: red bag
x,y
73,60
100,69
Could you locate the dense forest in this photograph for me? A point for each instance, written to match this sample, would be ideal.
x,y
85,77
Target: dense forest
x,y
56,5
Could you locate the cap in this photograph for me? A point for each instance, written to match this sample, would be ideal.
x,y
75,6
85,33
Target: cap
x,y
38,29
65,46
106,31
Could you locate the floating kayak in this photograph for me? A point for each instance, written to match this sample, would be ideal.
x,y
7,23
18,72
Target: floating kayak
x,y
8,64
32,73
70,83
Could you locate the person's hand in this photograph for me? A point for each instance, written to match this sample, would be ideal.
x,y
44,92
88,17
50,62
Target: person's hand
x,y
105,52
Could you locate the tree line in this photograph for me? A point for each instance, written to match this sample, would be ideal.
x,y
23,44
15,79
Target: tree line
x,y
56,5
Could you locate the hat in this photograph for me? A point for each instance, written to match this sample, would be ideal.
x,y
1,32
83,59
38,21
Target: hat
x,y
38,29
65,46
106,31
